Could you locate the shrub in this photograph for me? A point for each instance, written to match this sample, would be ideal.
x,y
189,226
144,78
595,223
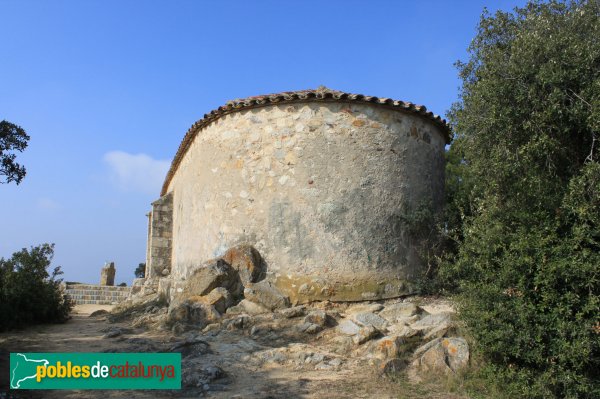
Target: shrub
x,y
28,293
524,199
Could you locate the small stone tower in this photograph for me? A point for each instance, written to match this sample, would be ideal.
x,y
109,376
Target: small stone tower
x,y
107,274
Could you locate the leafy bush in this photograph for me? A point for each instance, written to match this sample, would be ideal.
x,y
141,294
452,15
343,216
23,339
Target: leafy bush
x,y
140,271
28,293
524,199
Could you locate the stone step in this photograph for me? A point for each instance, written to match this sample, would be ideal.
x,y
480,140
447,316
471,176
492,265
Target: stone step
x,y
97,287
83,294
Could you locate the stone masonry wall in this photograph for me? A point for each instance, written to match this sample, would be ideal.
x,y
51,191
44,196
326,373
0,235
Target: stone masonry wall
x,y
160,236
322,190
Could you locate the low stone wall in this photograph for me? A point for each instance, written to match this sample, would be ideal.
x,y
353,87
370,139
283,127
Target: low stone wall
x,y
91,294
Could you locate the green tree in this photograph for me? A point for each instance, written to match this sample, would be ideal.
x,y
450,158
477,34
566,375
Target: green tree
x,y
140,271
12,138
28,292
524,198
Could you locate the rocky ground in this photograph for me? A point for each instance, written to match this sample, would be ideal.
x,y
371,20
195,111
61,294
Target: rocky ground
x,y
326,349
240,337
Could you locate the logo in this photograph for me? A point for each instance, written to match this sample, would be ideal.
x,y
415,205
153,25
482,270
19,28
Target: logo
x,y
95,370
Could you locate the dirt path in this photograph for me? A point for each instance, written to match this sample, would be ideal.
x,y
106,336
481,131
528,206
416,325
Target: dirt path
x,y
253,366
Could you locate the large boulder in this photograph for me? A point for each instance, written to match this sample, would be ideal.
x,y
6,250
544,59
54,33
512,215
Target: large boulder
x,y
265,294
442,355
212,274
246,260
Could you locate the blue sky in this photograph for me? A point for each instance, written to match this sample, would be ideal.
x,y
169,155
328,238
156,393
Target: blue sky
x,y
107,89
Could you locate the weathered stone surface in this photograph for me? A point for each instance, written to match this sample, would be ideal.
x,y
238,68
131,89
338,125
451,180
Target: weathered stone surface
x,y
164,287
364,307
317,317
370,319
247,261
265,294
442,355
402,331
212,274
431,321
309,328
348,327
296,311
342,345
193,313
230,177
136,286
220,298
160,237
438,331
365,334
457,352
107,274
388,347
398,311
248,307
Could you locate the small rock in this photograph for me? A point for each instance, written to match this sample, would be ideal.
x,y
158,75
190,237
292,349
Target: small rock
x,y
397,311
247,261
220,298
388,347
365,334
317,317
457,352
336,362
265,294
438,331
370,319
113,332
198,376
191,347
342,345
296,311
245,306
315,358
211,327
402,331
194,313
99,312
165,272
309,328
348,327
431,321
364,308
238,323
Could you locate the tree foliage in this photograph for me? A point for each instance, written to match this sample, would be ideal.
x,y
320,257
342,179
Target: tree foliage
x,y
28,293
12,138
140,271
523,180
